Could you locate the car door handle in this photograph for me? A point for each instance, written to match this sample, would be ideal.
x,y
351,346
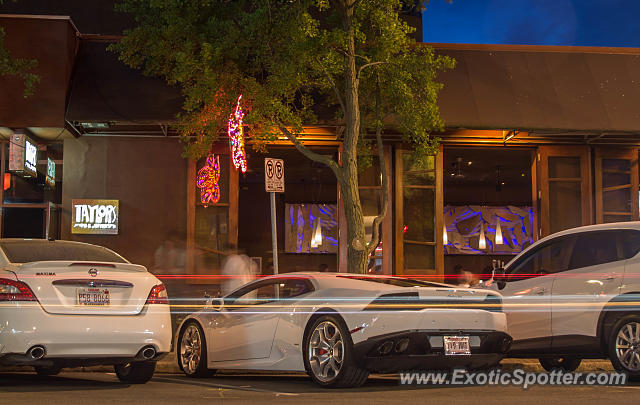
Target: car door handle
x,y
609,278
541,291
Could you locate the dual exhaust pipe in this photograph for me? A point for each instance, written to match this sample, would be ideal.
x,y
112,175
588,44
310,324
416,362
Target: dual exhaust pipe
x,y
38,352
147,353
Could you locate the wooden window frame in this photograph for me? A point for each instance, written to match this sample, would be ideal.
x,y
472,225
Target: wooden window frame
x,y
438,221
192,203
584,154
623,154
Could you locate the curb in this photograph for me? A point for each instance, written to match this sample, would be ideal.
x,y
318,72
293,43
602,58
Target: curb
x,y
169,365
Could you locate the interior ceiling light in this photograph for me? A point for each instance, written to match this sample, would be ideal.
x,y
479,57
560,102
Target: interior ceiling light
x,y
458,172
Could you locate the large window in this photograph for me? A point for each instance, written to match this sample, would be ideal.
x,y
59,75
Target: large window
x,y
311,228
418,199
616,175
212,229
370,188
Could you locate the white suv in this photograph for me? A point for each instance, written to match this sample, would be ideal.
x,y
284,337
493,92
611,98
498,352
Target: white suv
x,y
575,295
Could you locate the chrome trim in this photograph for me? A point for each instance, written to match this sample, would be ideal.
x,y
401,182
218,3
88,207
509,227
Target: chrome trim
x,y
93,283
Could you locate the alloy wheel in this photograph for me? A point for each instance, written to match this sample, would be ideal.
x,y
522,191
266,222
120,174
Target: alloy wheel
x,y
326,351
628,346
190,349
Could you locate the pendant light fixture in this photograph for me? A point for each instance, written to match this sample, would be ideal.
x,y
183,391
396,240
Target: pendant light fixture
x,y
482,242
316,238
445,239
499,240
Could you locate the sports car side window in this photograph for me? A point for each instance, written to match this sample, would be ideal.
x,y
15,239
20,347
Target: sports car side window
x,y
260,294
294,287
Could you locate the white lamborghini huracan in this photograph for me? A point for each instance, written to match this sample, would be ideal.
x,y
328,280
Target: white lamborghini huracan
x,y
338,327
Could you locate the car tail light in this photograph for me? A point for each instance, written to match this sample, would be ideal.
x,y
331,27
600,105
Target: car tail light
x,y
11,290
158,295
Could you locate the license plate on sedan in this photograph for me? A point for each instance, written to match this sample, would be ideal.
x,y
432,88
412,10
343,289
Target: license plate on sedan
x,y
93,296
456,345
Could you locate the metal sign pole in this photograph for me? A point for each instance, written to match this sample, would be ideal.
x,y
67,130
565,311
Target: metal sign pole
x,y
274,232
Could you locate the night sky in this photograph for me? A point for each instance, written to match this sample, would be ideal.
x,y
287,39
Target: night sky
x,y
534,22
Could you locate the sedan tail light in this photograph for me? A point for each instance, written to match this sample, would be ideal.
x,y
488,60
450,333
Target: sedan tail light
x,y
158,295
11,290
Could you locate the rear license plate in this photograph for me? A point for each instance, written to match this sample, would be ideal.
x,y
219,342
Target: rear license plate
x,y
456,345
93,296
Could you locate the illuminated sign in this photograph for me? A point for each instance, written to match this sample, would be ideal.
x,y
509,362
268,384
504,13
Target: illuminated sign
x,y
51,173
30,156
95,216
23,156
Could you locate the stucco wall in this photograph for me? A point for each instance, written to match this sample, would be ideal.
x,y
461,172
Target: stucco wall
x,y
148,176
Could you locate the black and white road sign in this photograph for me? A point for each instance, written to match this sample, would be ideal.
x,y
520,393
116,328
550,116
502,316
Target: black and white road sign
x,y
274,175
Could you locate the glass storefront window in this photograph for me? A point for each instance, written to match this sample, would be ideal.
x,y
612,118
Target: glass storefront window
x,y
419,215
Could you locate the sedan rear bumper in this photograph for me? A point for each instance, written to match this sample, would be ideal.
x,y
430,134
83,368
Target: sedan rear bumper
x,y
425,351
96,339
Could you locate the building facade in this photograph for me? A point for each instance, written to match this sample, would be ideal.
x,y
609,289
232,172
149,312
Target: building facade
x,y
538,139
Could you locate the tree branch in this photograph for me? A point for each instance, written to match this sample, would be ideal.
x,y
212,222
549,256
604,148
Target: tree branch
x,y
333,85
316,157
375,228
368,65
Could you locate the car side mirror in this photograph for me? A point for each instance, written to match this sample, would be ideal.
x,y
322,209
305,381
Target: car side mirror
x,y
215,303
500,277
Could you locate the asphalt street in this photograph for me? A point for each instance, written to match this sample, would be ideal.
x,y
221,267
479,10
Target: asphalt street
x,y
103,388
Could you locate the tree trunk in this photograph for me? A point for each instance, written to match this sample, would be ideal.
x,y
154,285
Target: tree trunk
x,y
356,241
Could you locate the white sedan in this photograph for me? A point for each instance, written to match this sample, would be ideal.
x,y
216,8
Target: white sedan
x,y
69,304
339,327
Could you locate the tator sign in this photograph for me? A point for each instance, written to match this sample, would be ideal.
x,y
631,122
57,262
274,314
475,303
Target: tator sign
x,y
95,216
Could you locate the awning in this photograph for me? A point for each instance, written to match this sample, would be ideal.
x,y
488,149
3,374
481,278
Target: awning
x,y
105,90
541,88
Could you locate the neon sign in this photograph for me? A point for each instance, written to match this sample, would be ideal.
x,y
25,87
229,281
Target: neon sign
x,y
236,137
208,181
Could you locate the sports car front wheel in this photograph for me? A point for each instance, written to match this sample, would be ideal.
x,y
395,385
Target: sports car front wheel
x,y
329,357
192,351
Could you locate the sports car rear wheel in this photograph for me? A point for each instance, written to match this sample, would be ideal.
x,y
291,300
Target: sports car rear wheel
x,y
329,358
135,373
192,351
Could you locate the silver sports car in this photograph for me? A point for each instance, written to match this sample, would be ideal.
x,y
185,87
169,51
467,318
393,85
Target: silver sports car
x,y
339,327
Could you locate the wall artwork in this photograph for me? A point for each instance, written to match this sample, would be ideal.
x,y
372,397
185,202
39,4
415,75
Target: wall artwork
x,y
477,230
311,228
